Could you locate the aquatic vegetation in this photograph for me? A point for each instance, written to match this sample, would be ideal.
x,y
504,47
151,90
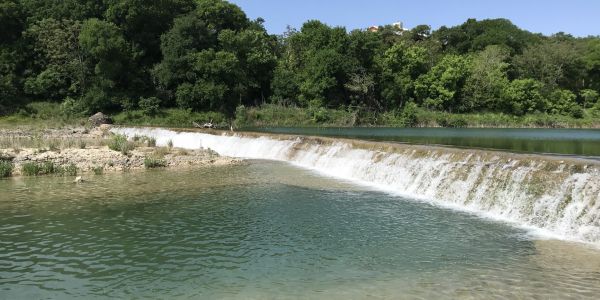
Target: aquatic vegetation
x,y
6,168
153,162
68,170
38,168
98,170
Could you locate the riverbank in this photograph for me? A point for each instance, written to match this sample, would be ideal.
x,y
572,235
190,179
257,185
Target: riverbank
x,y
272,115
75,151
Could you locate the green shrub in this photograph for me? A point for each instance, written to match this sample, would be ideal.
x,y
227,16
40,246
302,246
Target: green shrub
x,y
151,142
152,163
409,115
6,168
30,169
69,170
120,143
35,168
98,170
82,144
149,106
48,167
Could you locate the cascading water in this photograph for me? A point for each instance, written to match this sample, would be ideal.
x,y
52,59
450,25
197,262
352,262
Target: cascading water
x,y
558,196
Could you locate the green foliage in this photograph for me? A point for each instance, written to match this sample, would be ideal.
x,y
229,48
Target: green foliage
x,y
487,79
6,168
120,143
524,96
401,65
441,87
152,163
175,62
68,170
39,168
98,170
589,97
149,106
563,102
170,118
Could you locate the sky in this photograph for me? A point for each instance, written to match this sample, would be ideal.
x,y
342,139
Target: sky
x,y
577,17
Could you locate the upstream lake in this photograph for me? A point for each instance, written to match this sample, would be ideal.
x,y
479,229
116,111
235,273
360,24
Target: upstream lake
x,y
265,230
578,142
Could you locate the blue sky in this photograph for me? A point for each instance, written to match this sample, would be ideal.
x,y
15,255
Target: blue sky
x,y
578,17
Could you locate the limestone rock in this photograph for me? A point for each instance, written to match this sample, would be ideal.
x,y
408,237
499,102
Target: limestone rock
x,y
99,119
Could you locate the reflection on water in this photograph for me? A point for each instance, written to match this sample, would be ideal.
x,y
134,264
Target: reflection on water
x,y
581,142
264,230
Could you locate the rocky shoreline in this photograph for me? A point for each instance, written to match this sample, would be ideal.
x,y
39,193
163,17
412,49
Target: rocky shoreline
x,y
88,152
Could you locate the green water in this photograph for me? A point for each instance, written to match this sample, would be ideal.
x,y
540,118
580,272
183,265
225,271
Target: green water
x,y
264,230
580,142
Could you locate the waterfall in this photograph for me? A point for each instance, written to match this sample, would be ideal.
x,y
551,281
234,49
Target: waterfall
x,y
553,195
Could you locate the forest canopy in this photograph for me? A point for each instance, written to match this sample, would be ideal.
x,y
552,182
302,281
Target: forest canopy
x,y
207,55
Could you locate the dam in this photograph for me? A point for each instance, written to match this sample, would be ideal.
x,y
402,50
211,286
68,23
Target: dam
x,y
555,196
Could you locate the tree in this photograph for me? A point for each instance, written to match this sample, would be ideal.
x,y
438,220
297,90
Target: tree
x,y
60,66
63,9
143,22
108,52
12,22
441,88
214,58
255,50
476,35
524,96
400,66
220,15
562,102
487,79
552,62
591,61
589,97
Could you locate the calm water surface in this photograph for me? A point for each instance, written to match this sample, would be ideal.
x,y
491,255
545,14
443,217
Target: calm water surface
x,y
580,142
264,230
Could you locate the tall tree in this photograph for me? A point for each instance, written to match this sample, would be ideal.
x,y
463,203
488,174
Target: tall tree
x,y
442,87
487,79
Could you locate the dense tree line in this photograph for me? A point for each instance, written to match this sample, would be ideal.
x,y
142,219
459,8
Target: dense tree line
x,y
203,55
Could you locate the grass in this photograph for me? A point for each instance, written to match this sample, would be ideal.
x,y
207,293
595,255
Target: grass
x,y
98,170
153,163
48,115
38,168
169,118
48,168
6,168
120,143
279,116
38,141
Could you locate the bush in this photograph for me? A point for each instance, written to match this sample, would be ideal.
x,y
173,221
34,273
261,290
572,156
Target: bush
x,y
120,143
152,163
69,170
99,170
35,168
409,115
6,168
151,142
149,106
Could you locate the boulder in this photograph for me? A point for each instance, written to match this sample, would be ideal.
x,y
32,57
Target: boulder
x,y
99,119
